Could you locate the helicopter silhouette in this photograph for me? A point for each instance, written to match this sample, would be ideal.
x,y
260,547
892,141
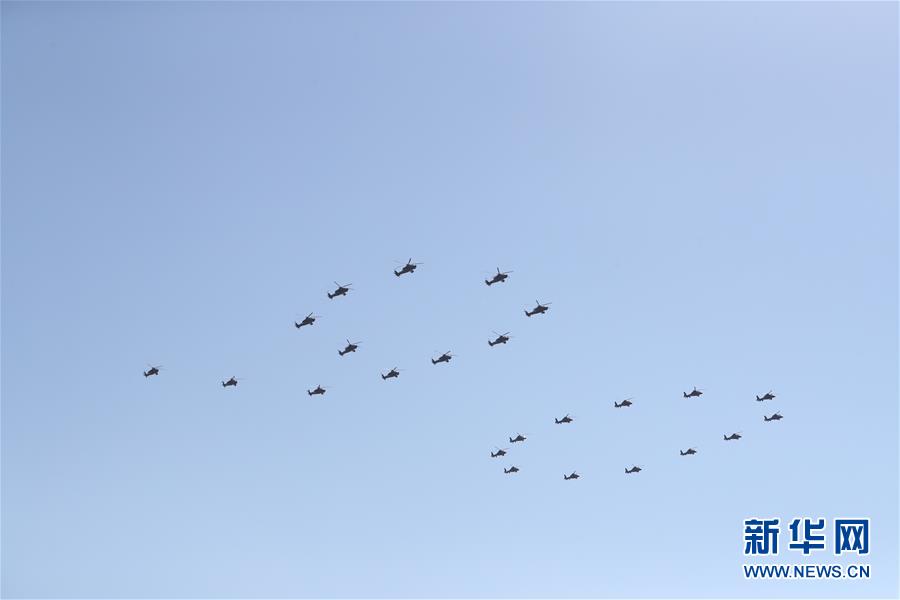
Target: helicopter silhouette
x,y
623,404
498,278
500,452
392,374
574,475
519,438
152,371
502,338
538,310
695,393
565,419
511,470
775,417
443,358
687,452
634,469
767,396
319,391
409,267
309,319
733,436
351,347
230,383
340,291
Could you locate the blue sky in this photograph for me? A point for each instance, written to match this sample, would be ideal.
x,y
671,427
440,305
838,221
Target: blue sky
x,y
706,192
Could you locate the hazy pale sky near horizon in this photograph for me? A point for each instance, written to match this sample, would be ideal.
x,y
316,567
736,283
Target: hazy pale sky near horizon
x,y
706,192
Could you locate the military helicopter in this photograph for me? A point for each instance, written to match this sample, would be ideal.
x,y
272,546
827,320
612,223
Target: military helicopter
x,y
443,358
565,419
695,393
309,319
351,347
634,469
500,452
519,438
687,452
623,404
538,310
775,417
767,396
319,391
409,267
340,291
152,371
733,436
230,383
574,475
511,470
502,338
393,373
498,278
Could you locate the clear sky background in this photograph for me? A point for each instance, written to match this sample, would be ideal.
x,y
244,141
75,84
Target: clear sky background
x,y
706,192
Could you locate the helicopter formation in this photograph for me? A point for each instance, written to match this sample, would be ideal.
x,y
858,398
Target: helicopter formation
x,y
500,338
623,404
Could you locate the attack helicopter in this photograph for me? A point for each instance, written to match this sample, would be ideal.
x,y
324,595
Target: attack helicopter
x,y
733,436
775,417
688,452
351,347
511,470
501,338
623,404
634,469
230,383
767,396
443,358
519,438
409,267
565,419
574,475
152,371
500,452
538,310
695,393
392,374
498,278
340,291
309,319
319,391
